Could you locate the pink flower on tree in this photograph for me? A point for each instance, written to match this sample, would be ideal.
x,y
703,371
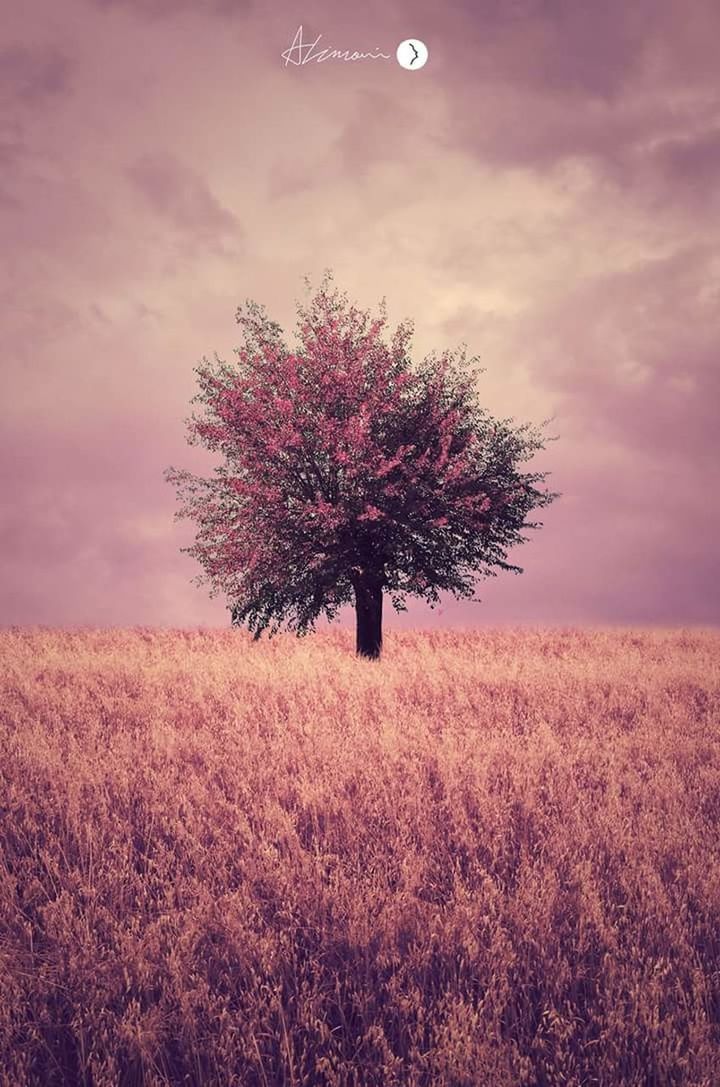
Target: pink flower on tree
x,y
348,472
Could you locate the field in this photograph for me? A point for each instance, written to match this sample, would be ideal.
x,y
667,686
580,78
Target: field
x,y
491,859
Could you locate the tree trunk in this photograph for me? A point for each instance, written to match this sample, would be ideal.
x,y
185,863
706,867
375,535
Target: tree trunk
x,y
368,612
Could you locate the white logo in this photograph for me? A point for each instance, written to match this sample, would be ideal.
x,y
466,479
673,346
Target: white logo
x,y
412,54
302,52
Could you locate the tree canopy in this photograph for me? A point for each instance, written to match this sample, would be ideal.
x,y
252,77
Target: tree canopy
x,y
348,472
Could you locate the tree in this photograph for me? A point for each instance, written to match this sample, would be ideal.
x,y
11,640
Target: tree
x,y
349,473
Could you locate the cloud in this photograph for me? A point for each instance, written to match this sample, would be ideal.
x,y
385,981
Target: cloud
x,y
633,356
581,50
544,190
86,528
31,74
178,194
559,45
690,165
631,88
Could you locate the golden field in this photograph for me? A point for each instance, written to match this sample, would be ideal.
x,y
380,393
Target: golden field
x,y
492,858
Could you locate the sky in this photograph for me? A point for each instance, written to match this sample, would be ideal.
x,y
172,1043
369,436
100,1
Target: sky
x,y
546,190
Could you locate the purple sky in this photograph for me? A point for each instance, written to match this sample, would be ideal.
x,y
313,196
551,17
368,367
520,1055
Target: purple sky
x,y
546,189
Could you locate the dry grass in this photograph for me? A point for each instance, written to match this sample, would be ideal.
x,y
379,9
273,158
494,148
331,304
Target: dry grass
x,y
492,859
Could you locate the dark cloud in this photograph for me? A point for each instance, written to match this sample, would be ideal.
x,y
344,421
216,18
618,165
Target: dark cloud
x,y
177,193
29,75
580,47
566,46
633,356
535,83
691,163
633,145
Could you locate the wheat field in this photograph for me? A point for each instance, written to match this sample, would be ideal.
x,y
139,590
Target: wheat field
x,y
490,859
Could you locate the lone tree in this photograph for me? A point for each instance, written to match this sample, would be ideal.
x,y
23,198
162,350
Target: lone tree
x,y
349,472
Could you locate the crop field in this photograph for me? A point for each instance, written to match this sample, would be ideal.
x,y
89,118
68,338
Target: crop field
x,y
491,858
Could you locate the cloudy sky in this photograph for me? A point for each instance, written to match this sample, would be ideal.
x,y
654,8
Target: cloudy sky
x,y
546,189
